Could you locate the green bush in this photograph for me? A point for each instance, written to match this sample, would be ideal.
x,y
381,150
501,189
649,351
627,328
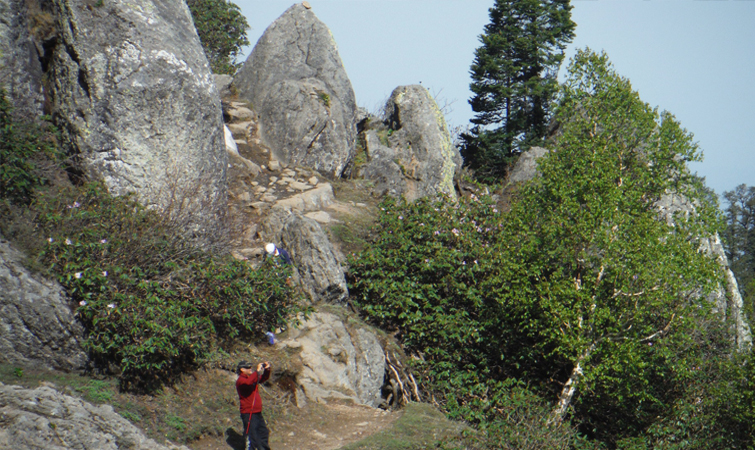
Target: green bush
x,y
222,29
152,304
421,277
26,148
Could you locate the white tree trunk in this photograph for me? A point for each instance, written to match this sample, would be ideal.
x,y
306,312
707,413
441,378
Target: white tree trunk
x,y
567,393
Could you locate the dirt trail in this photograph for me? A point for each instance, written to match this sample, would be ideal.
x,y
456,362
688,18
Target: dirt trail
x,y
314,427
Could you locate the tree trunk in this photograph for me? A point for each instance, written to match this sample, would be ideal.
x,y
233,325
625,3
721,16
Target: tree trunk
x,y
567,393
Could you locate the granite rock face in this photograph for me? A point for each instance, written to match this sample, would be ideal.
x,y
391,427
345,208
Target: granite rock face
x,y
339,361
317,266
44,418
36,321
136,103
295,80
411,152
20,67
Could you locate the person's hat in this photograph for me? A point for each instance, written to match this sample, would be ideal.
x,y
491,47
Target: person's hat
x,y
270,248
243,365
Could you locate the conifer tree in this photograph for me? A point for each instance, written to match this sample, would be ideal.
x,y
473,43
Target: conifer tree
x,y
514,80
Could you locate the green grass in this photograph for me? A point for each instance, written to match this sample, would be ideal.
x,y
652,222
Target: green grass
x,y
420,427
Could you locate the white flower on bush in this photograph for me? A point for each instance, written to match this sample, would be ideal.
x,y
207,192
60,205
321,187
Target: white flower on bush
x,y
75,205
77,275
111,305
50,240
103,241
68,241
104,273
83,303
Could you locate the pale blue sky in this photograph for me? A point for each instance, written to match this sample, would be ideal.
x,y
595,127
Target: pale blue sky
x,y
695,59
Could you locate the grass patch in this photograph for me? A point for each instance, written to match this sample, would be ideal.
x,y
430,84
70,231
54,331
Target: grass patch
x,y
421,426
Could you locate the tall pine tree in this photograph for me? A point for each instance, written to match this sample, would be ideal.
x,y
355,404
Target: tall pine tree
x,y
514,80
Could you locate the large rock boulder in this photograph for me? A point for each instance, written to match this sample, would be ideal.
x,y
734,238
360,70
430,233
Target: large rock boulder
x,y
45,418
411,153
137,104
20,67
38,326
340,361
295,80
317,267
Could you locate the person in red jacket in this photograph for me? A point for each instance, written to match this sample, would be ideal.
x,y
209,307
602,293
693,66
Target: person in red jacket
x,y
255,429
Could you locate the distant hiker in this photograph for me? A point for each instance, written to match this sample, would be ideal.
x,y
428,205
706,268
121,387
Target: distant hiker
x,y
273,251
250,404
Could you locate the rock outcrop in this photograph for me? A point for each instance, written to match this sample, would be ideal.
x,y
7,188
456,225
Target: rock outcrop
x,y
296,82
45,418
340,361
136,103
38,326
20,68
317,266
411,152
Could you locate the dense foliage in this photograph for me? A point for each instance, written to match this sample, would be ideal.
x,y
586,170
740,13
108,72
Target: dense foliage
x,y
152,304
581,291
739,240
514,80
222,29
26,148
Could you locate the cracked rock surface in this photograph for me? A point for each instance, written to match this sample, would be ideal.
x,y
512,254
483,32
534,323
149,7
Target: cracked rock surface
x,y
296,81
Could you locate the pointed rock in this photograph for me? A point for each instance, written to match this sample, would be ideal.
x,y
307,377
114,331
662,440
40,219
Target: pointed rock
x,y
297,83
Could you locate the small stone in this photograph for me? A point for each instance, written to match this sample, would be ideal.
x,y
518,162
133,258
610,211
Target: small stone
x,y
313,181
241,113
275,165
306,5
299,186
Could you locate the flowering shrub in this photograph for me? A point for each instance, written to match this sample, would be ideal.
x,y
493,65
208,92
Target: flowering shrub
x,y
426,276
152,304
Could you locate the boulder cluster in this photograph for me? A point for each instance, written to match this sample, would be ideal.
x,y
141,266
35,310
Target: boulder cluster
x,y
130,89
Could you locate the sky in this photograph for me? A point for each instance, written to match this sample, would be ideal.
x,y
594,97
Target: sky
x,y
693,58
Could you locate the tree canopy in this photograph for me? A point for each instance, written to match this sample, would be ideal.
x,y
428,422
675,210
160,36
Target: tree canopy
x,y
222,29
514,79
739,240
582,291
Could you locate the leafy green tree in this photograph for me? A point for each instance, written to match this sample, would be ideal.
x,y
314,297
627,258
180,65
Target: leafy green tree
x,y
581,290
514,80
222,29
739,240
616,292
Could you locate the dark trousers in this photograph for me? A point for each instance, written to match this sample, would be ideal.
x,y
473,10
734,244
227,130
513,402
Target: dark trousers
x,y
255,432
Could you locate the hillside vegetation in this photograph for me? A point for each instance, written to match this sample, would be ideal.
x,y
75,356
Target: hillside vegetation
x,y
563,313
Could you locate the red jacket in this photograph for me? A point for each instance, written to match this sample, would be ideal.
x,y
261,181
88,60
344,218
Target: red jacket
x,y
249,396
